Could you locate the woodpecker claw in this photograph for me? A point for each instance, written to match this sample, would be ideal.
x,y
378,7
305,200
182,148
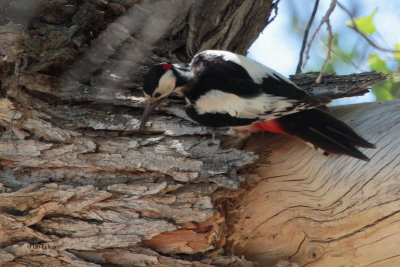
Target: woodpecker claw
x,y
214,138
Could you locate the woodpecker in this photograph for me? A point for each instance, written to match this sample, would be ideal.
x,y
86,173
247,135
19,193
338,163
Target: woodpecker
x,y
224,89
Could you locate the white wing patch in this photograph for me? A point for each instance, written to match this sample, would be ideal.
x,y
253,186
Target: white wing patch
x,y
263,106
256,70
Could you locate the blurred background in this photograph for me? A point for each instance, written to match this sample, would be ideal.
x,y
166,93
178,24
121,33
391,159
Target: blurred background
x,y
278,46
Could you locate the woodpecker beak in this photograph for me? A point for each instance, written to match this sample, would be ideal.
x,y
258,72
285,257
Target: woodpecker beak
x,y
146,113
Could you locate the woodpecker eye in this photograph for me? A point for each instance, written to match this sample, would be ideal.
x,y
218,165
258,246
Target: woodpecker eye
x,y
157,95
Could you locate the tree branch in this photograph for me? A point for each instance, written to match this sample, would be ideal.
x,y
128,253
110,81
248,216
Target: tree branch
x,y
328,56
303,45
338,86
325,19
355,28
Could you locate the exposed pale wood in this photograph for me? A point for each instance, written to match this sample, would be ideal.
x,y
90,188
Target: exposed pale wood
x,y
325,211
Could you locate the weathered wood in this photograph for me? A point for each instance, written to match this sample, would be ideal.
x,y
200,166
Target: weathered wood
x,y
325,211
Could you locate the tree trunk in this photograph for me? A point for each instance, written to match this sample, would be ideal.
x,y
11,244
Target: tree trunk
x,y
81,187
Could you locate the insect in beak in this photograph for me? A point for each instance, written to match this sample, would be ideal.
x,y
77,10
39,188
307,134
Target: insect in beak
x,y
150,106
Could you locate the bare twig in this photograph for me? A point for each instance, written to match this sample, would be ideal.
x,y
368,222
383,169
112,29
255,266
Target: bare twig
x,y
303,45
328,56
355,28
275,8
344,58
324,20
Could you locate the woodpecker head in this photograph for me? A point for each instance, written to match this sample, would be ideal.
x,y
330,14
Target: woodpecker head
x,y
160,81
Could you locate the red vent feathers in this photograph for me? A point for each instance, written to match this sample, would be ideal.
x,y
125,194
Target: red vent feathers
x,y
272,126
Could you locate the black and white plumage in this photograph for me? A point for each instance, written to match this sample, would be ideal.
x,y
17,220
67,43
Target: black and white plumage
x,y
225,89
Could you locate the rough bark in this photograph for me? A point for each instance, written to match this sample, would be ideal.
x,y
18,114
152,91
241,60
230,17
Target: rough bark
x,y
79,185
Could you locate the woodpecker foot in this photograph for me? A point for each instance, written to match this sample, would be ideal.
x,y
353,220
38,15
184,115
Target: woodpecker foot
x,y
216,134
214,140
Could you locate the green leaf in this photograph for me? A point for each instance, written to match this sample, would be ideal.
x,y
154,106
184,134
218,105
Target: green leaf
x,y
395,75
381,93
377,64
365,24
397,54
395,90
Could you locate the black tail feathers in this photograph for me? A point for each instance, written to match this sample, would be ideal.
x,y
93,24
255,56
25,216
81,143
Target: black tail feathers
x,y
325,132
